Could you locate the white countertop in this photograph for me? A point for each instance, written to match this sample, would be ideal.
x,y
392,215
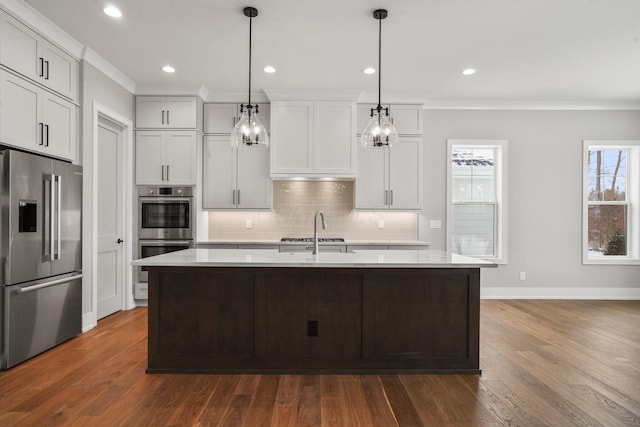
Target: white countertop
x,y
273,258
345,243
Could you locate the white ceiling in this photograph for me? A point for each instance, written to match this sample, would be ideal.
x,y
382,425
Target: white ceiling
x,y
583,51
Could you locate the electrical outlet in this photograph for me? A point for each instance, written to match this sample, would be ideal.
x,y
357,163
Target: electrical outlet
x,y
381,223
248,224
522,275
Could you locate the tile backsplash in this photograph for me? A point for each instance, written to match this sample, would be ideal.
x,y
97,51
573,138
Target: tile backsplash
x,y
294,206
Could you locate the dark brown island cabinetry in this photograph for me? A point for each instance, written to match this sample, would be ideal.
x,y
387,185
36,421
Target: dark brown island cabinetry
x,y
321,320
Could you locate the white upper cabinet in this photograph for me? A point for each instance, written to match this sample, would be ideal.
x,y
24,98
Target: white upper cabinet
x,y
35,119
407,118
220,118
313,138
166,112
390,178
166,157
27,53
234,178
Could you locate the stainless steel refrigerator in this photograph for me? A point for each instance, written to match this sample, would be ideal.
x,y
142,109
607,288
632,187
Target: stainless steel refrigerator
x,y
40,254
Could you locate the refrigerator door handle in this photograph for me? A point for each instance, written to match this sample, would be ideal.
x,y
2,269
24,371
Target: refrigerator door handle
x,y
47,284
52,191
59,219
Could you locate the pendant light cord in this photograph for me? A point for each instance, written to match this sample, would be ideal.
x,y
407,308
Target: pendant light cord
x,y
250,32
379,64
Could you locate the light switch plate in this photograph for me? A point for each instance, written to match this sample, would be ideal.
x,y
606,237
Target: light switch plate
x,y
381,223
435,223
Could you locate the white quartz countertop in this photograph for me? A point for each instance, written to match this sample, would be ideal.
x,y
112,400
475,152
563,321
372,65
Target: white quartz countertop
x,y
273,258
345,243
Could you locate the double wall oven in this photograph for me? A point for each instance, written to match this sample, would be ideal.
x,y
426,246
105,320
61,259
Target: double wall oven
x,y
165,221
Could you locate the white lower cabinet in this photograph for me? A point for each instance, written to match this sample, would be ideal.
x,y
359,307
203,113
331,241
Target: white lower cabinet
x,y
166,157
234,178
390,178
35,119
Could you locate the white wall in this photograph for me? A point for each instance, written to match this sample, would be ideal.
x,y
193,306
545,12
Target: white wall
x,y
98,87
545,204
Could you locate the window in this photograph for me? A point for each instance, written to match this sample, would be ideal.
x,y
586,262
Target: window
x,y
611,217
477,198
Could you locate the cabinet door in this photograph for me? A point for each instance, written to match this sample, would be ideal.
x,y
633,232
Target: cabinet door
x,y
371,180
254,182
150,158
20,112
292,133
218,173
150,112
405,174
180,112
220,118
407,119
180,160
334,139
60,71
19,47
59,117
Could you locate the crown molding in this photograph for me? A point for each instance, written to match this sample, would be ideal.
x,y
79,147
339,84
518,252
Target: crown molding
x,y
313,95
531,105
163,90
41,24
90,56
236,97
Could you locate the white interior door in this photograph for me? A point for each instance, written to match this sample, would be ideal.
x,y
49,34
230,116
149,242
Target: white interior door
x,y
110,146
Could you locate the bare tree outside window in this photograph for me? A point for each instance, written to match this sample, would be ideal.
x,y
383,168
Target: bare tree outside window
x,y
607,202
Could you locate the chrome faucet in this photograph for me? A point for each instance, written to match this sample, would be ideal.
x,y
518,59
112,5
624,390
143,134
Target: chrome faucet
x,y
316,248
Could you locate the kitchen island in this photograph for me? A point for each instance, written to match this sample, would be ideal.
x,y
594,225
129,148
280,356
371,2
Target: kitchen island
x,y
263,311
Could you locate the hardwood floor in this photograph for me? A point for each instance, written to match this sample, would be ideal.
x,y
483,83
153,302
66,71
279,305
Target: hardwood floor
x,y
558,363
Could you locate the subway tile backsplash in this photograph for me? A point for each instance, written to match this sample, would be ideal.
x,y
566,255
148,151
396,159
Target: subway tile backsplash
x,y
294,206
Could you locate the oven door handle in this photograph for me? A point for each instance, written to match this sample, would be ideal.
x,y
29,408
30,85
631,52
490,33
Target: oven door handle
x,y
165,242
146,199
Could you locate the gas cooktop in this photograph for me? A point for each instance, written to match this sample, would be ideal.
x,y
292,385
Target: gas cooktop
x,y
310,239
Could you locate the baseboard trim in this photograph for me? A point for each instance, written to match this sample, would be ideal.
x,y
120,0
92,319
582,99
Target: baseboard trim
x,y
88,322
490,292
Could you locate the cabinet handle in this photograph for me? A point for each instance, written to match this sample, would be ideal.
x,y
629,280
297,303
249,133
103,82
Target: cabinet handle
x,y
46,77
167,170
41,125
386,197
46,132
391,201
234,196
167,116
238,198
163,172
162,116
41,74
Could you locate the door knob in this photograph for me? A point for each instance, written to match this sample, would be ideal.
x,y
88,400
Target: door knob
x,y
120,240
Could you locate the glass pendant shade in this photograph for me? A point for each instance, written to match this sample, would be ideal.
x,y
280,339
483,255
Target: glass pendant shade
x,y
379,133
249,132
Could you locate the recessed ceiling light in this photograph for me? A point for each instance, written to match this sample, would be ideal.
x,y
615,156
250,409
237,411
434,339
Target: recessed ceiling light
x,y
269,69
168,69
112,11
369,70
469,71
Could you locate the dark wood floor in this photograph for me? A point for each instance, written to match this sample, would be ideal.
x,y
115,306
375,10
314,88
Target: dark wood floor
x,y
558,363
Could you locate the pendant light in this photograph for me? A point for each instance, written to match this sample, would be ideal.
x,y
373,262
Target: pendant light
x,y
380,131
249,132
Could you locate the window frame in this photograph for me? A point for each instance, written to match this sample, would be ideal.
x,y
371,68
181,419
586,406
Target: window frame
x,y
632,201
500,147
